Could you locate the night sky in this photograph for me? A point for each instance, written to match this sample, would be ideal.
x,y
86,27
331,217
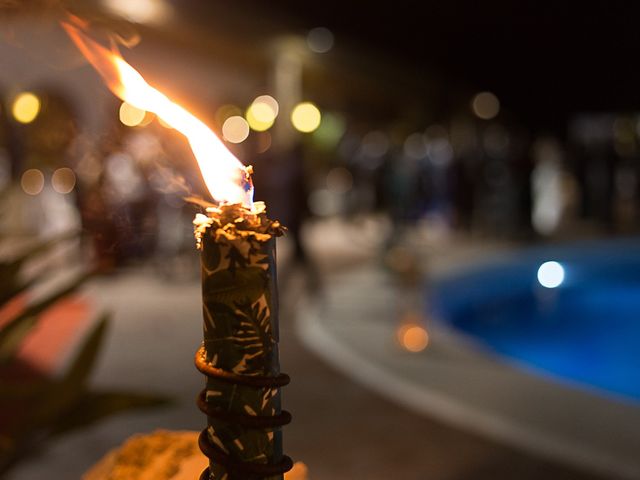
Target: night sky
x,y
544,59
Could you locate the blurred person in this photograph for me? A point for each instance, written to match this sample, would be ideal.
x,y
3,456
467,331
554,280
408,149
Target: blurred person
x,y
546,185
496,206
131,203
601,185
98,225
6,157
280,181
594,163
405,194
436,191
466,171
463,176
11,141
116,202
174,230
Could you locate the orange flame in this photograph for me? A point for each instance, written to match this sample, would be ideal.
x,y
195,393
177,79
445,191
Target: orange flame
x,y
226,177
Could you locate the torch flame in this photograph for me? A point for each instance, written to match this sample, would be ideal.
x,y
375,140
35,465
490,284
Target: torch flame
x,y
227,179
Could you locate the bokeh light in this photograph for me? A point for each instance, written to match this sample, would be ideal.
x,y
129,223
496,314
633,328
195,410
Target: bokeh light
x,y
415,146
306,117
413,337
235,129
440,152
140,11
255,111
131,116
262,113
26,107
63,180
485,105
32,181
551,274
320,40
330,131
269,101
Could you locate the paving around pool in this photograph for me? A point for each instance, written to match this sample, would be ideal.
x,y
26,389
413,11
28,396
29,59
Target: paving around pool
x,y
514,381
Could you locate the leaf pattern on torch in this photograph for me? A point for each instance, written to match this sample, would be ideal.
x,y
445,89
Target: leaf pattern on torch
x,y
240,314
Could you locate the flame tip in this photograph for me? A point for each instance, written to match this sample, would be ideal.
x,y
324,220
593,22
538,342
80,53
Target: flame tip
x,y
226,178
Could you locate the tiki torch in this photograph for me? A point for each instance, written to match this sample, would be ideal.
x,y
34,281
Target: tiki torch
x,y
239,355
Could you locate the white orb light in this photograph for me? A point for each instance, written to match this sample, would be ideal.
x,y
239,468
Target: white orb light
x,y
551,274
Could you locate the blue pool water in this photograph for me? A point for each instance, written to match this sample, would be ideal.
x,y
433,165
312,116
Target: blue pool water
x,y
585,332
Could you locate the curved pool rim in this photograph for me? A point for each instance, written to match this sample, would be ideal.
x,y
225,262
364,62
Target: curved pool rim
x,y
455,381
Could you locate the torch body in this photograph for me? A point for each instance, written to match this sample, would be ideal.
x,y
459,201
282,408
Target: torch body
x,y
240,352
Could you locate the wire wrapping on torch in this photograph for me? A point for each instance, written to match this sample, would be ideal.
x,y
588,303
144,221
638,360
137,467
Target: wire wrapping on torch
x,y
245,380
213,452
248,421
246,468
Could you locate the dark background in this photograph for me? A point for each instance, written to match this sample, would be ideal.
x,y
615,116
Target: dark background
x,y
544,60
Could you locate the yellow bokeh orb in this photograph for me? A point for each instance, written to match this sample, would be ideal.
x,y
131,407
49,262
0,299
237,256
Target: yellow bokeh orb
x,y
131,116
306,117
26,107
235,129
260,117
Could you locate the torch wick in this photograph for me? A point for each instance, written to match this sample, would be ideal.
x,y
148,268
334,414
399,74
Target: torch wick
x,y
247,183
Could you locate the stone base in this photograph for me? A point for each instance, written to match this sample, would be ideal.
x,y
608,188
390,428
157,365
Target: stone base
x,y
161,455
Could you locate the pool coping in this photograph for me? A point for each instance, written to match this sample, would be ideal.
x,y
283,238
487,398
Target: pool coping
x,y
517,407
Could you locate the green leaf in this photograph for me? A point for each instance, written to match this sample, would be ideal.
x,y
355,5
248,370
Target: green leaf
x,y
220,340
256,337
67,391
63,405
10,283
244,285
218,319
14,264
12,392
85,360
9,289
43,247
12,338
236,259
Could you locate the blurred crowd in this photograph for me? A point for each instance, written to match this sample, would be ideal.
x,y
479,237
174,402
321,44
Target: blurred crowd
x,y
479,176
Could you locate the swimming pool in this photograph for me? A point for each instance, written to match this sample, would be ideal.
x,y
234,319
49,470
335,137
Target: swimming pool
x,y
585,332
